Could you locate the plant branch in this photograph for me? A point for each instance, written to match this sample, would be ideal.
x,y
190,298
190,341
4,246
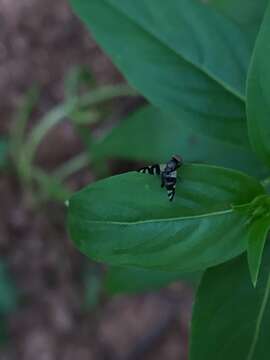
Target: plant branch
x,y
72,166
64,110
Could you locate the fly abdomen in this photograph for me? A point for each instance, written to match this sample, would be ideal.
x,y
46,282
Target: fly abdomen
x,y
170,186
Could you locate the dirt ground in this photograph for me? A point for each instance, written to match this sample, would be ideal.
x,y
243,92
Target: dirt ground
x,y
39,43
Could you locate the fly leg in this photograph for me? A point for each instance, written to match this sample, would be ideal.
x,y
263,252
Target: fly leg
x,y
171,194
162,181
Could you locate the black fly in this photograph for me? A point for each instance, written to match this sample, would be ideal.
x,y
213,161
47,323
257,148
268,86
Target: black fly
x,y
167,173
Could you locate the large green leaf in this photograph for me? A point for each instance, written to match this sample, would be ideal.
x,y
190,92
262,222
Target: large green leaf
x,y
150,135
247,14
133,280
128,220
231,319
173,63
258,93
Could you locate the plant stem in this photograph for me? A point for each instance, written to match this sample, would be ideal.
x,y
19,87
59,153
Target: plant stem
x,y
59,113
46,123
72,166
46,184
20,122
105,93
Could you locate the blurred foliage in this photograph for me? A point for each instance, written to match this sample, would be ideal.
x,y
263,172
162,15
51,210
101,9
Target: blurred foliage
x,y
8,292
135,280
83,106
3,152
8,300
93,286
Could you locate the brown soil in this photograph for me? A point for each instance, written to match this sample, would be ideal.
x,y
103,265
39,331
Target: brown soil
x,y
39,42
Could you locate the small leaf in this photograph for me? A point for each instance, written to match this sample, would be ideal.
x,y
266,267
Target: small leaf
x,y
133,280
257,238
258,93
230,317
164,135
128,220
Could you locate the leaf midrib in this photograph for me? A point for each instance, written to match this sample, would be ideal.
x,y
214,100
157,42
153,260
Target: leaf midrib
x,y
205,71
183,218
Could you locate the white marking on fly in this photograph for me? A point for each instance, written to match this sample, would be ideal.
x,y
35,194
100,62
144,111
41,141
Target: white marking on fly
x,y
162,167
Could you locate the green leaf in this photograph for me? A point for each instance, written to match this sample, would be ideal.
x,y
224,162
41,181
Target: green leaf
x,y
133,280
164,135
230,317
128,220
258,93
173,63
248,14
257,238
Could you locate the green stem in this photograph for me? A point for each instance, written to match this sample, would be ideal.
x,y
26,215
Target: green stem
x,y
44,180
72,166
51,119
62,111
106,93
20,122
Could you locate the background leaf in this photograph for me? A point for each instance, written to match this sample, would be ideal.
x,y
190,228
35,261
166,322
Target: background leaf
x,y
172,62
8,292
230,318
258,93
133,280
128,220
152,136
